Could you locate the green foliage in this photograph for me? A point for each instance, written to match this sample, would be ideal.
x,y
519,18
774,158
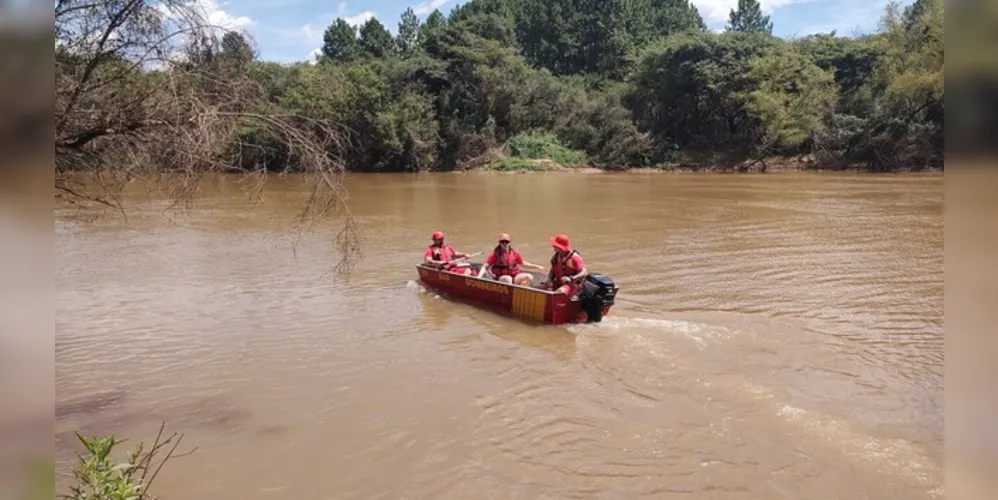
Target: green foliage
x,y
537,145
408,34
574,36
648,20
339,42
691,89
375,40
435,22
850,60
616,83
913,63
513,164
99,476
236,53
598,123
792,99
890,110
748,18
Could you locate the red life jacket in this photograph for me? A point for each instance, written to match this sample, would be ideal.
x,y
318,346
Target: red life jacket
x,y
505,263
564,267
444,253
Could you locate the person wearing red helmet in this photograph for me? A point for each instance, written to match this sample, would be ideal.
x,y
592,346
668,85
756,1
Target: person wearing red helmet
x,y
504,263
444,256
567,267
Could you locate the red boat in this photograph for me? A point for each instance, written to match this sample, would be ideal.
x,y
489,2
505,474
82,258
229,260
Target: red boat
x,y
594,300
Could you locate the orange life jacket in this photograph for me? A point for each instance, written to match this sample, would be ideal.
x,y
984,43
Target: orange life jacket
x,y
564,266
505,263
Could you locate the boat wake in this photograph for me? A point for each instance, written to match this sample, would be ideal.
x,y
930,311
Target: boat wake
x,y
701,334
745,366
755,367
414,285
421,289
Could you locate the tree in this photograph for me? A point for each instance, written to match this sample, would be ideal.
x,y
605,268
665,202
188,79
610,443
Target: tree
x,y
792,100
236,52
408,37
689,90
911,72
748,18
575,36
913,64
852,61
375,40
489,26
432,26
339,42
647,20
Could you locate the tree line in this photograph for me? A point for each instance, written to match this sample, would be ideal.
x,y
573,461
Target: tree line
x,y
612,83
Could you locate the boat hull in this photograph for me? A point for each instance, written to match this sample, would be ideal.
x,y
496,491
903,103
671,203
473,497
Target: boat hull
x,y
527,303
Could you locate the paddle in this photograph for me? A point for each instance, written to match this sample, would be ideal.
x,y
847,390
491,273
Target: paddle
x,y
467,256
476,254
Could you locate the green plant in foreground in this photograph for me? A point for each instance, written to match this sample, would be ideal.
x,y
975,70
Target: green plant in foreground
x,y
512,163
538,145
99,476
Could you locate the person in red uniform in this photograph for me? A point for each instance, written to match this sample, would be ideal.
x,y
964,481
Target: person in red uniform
x,y
567,267
443,256
504,263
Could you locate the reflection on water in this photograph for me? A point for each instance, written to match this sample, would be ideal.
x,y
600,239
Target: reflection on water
x,y
775,335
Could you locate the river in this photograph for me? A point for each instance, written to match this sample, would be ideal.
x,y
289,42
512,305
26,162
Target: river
x,y
776,336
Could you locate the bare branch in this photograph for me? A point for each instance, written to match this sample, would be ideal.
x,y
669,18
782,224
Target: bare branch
x,y
120,118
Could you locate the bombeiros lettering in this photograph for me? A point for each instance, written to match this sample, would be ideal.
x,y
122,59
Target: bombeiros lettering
x,y
485,285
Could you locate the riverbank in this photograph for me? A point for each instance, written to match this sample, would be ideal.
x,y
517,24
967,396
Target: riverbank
x,y
773,164
540,152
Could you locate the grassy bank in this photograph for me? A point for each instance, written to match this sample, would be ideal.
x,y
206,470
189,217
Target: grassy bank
x,y
534,151
543,152
539,151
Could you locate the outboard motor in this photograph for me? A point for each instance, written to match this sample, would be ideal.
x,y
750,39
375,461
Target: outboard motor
x,y
596,293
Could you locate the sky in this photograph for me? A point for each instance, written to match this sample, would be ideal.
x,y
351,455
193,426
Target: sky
x,y
291,30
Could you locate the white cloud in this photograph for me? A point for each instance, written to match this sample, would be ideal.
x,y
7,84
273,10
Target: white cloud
x,y
213,14
717,10
360,19
313,35
313,57
428,6
218,17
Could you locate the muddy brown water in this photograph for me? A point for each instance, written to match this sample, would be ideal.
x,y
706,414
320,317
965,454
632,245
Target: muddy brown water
x,y
776,336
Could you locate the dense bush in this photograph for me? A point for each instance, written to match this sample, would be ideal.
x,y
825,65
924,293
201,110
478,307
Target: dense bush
x,y
540,145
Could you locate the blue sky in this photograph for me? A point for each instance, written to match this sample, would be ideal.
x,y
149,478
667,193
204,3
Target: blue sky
x,y
291,30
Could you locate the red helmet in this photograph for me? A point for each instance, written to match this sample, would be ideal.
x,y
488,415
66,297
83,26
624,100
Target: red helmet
x,y
503,237
437,235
